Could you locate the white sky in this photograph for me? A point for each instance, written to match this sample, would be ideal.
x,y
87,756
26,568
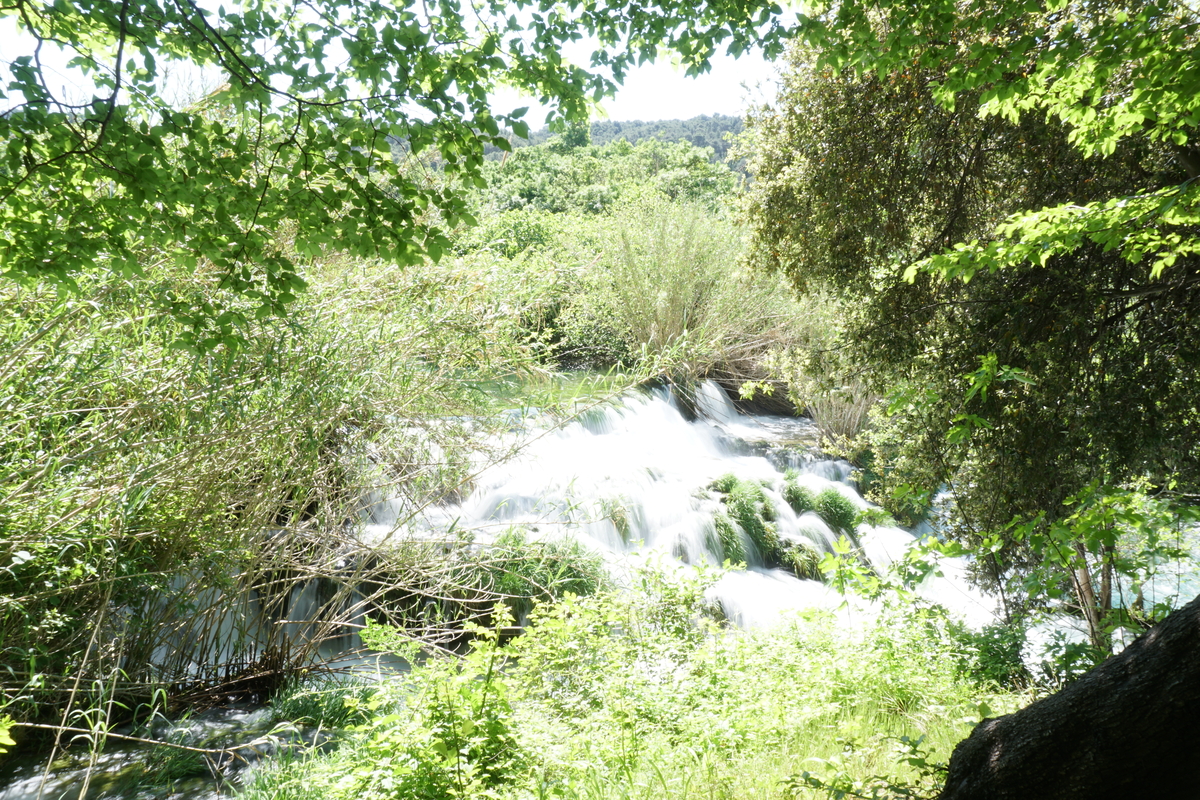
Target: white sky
x,y
661,91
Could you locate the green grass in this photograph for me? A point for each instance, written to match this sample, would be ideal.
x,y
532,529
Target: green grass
x,y
327,700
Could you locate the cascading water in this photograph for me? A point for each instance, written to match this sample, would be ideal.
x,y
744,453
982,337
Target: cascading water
x,y
630,479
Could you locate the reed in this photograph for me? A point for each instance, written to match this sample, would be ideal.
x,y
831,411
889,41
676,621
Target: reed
x,y
162,514
662,280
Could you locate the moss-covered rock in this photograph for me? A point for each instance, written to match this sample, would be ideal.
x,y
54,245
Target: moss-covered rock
x,y
802,559
754,513
730,539
749,510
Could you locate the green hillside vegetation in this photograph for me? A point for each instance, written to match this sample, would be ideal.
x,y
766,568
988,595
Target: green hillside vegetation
x,y
715,132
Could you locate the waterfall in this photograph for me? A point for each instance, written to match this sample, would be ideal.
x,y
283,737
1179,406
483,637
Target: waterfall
x,y
631,480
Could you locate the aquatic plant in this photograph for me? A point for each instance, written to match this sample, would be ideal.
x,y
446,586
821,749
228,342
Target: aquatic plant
x,y
522,572
729,537
325,699
800,498
801,558
724,484
749,510
836,509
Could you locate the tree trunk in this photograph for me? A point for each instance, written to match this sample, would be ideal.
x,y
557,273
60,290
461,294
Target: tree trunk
x,y
1087,599
1128,729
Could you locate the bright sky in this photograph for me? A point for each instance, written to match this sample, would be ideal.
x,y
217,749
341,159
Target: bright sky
x,y
661,91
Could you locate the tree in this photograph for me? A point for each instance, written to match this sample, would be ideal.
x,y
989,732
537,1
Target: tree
x,y
1126,729
1047,328
885,170
292,153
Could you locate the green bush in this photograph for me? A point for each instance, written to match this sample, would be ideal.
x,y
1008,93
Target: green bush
x,y
801,558
748,510
564,177
724,484
876,517
749,506
445,731
662,276
992,656
511,233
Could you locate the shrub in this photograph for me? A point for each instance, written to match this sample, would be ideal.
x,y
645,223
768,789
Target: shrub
x,y
724,484
800,558
876,517
662,277
992,656
454,737
749,507
748,510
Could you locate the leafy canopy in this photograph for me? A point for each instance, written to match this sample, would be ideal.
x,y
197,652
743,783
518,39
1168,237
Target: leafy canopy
x,y
1049,244
293,152
1109,71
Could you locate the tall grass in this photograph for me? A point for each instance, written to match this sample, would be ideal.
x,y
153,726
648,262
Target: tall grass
x,y
663,280
160,512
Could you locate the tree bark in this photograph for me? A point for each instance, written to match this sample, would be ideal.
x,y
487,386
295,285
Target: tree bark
x,y
1128,729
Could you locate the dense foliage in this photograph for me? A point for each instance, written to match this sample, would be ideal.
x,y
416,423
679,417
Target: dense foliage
x,y
629,695
995,205
138,479
1000,202
160,507
293,139
851,212
625,255
560,177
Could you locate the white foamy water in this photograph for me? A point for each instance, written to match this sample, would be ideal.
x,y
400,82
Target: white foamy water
x,y
630,479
